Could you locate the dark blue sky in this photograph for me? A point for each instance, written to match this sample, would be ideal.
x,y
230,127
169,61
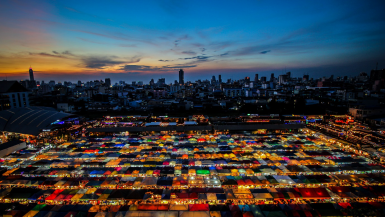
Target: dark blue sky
x,y
139,40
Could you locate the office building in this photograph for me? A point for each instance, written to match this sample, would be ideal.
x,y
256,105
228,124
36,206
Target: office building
x,y
181,77
108,82
13,95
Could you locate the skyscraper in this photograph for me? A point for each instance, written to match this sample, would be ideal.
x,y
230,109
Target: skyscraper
x,y
220,78
162,81
288,75
213,79
107,82
282,79
256,78
31,78
272,77
181,77
32,82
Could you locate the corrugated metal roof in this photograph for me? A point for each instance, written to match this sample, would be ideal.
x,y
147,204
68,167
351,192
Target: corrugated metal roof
x,y
28,120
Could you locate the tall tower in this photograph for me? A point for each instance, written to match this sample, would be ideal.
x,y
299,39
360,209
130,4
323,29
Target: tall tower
x,y
181,77
256,78
31,78
107,81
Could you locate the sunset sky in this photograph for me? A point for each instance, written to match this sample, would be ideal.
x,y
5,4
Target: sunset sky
x,y
139,40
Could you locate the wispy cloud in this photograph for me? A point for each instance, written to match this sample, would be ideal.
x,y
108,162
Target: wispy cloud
x,y
155,68
201,58
189,52
91,61
100,62
54,54
265,51
136,68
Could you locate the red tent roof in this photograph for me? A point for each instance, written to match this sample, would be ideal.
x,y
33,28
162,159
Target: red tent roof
x,y
198,207
314,193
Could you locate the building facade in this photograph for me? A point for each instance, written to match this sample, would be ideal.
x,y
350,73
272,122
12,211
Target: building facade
x,y
13,95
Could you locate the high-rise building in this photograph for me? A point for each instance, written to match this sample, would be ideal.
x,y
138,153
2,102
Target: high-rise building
x,y
181,76
162,81
213,79
272,77
288,75
32,82
220,78
256,78
79,83
377,75
263,79
31,77
107,81
282,79
247,80
305,78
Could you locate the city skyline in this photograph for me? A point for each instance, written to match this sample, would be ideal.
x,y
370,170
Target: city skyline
x,y
83,41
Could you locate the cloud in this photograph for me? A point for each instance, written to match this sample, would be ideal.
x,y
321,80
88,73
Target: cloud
x,y
135,68
68,53
99,62
155,68
199,58
189,52
165,60
56,54
265,51
92,61
179,66
217,46
184,37
44,54
224,54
